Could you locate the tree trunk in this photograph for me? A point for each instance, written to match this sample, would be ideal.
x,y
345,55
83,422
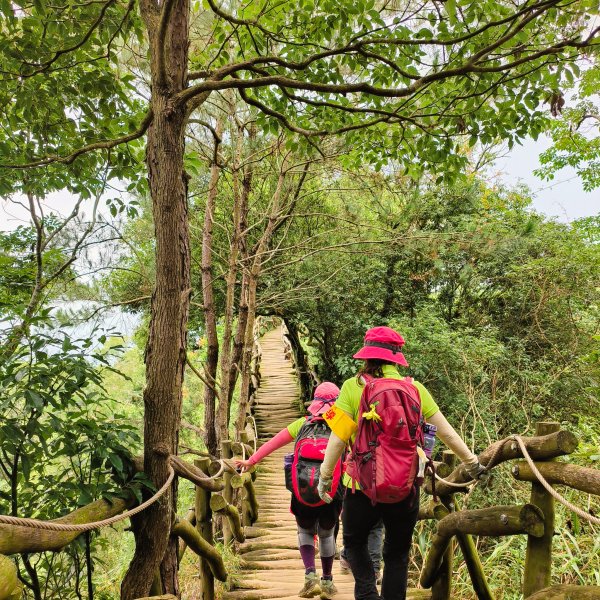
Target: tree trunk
x,y
301,359
165,355
235,367
210,317
252,280
228,354
247,349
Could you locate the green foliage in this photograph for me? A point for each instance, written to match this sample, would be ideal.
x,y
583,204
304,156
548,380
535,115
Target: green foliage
x,y
63,87
62,443
576,135
18,268
407,83
421,101
480,286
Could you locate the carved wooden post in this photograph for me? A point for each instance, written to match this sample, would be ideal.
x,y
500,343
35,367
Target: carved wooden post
x,y
469,552
205,528
442,588
226,453
538,559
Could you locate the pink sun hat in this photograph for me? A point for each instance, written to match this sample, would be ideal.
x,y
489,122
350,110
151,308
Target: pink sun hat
x,y
383,343
326,394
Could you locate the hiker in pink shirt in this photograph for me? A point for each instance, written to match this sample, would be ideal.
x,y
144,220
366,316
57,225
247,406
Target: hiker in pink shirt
x,y
313,515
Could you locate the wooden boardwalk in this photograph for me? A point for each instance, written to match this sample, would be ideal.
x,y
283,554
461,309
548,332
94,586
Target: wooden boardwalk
x,y
272,564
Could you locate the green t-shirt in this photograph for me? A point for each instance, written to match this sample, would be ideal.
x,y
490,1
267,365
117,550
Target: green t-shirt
x,y
295,426
351,392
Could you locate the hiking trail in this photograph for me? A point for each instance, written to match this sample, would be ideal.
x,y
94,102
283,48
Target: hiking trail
x,y
272,564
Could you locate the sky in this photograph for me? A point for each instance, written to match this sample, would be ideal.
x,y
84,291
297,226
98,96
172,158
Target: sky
x,y
563,198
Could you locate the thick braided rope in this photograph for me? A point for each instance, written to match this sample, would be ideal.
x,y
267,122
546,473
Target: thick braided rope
x,y
220,471
50,526
473,481
456,485
255,431
550,489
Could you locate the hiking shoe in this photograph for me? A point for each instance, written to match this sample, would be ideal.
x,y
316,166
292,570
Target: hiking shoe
x,y
310,587
344,565
328,590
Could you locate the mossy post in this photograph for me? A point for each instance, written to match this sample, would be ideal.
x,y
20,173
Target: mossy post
x,y
205,529
469,551
248,503
226,453
10,586
442,587
538,559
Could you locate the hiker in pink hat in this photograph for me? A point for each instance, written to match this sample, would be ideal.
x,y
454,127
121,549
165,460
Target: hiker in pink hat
x,y
381,414
313,515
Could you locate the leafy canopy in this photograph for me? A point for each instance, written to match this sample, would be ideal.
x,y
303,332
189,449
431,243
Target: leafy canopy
x,y
409,80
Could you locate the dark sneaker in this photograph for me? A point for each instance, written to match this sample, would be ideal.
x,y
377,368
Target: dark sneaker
x,y
344,565
311,586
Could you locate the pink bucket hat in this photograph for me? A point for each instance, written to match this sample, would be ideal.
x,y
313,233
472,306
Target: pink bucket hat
x,y
326,394
383,343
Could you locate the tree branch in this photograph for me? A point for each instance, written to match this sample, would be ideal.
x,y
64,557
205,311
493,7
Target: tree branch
x,y
103,145
161,36
202,378
348,88
43,66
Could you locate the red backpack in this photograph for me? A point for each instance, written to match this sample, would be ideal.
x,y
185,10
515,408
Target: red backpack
x,y
309,452
384,459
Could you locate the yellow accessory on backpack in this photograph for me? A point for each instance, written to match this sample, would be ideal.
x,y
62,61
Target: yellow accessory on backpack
x,y
372,414
340,423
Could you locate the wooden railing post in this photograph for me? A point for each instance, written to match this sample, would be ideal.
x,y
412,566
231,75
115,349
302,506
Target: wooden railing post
x,y
227,453
469,551
538,559
442,588
205,528
248,516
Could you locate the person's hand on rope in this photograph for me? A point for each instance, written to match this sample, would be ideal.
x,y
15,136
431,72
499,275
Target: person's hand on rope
x,y
478,472
243,465
324,489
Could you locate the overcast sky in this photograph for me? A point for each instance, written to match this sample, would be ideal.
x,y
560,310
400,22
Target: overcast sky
x,y
563,198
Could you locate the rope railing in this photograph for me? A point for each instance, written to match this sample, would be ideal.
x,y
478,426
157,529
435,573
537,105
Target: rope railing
x,y
578,511
82,527
535,519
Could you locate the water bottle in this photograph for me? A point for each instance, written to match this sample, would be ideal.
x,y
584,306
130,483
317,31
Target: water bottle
x,y
288,461
429,434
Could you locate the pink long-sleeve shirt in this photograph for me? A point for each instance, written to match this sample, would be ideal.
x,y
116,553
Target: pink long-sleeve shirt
x,y
277,441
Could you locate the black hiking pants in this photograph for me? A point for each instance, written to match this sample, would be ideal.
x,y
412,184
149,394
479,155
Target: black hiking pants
x,y
359,516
